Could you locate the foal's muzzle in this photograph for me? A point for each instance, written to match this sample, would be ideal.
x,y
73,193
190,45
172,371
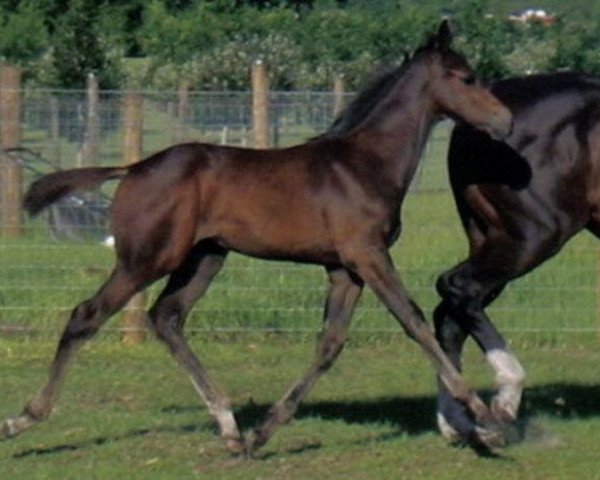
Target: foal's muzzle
x,y
502,125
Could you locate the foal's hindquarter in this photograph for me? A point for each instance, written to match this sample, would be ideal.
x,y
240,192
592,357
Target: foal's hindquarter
x,y
519,206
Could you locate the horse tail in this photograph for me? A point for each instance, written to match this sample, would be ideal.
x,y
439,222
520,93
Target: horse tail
x,y
51,188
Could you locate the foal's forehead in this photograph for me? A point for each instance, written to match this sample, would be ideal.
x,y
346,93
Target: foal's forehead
x,y
454,61
447,58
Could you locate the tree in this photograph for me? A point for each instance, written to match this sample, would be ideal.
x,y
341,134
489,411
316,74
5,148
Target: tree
x,y
87,39
24,37
576,48
485,38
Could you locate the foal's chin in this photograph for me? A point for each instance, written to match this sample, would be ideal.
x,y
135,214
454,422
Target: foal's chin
x,y
499,130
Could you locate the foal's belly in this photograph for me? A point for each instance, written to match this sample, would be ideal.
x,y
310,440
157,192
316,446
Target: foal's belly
x,y
289,240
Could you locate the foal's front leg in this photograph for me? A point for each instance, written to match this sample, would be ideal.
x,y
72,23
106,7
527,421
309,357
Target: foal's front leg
x,y
375,267
344,291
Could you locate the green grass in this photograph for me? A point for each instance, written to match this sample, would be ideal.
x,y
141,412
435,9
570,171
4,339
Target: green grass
x,y
129,413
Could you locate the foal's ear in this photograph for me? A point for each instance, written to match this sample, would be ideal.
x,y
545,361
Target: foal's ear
x,y
444,35
441,40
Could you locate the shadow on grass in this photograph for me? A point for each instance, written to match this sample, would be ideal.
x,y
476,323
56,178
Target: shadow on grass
x,y
409,415
416,415
99,441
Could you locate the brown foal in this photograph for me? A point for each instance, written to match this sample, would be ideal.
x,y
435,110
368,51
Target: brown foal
x,y
333,201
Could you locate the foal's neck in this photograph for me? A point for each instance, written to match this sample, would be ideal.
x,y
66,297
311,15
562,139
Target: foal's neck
x,y
398,128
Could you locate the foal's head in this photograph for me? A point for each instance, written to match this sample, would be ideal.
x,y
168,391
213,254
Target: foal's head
x,y
455,89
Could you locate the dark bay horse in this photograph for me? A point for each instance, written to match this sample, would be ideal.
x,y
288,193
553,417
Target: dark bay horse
x,y
519,202
334,201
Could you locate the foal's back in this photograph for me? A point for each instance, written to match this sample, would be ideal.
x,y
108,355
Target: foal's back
x,y
297,203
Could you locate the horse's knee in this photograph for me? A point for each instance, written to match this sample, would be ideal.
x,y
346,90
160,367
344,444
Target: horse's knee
x,y
83,322
460,292
329,350
166,319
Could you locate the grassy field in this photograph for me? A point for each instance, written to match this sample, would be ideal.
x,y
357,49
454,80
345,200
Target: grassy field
x,y
129,413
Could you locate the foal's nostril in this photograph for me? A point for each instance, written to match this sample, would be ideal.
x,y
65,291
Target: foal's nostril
x,y
504,126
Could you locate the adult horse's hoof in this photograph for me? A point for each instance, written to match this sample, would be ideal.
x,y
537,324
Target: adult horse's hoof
x,y
447,430
505,413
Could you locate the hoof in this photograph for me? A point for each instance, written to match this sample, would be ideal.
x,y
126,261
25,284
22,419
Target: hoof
x,y
236,446
250,446
5,432
254,441
447,430
10,428
490,437
503,413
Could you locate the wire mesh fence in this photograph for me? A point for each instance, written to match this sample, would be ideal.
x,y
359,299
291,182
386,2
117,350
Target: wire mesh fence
x,y
64,255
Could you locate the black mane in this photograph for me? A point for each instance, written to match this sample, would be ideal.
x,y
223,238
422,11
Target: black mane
x,y
380,87
366,100
522,91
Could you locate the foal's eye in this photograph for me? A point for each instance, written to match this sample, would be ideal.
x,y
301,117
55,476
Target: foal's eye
x,y
469,80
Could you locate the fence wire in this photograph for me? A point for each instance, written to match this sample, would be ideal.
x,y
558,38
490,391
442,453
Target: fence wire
x,y
65,254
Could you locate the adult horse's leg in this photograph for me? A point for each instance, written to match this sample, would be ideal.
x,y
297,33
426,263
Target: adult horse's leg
x,y
168,315
344,291
84,322
453,420
376,268
467,290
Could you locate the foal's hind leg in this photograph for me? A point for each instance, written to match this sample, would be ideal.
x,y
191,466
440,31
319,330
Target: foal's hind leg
x,y
344,292
168,315
84,322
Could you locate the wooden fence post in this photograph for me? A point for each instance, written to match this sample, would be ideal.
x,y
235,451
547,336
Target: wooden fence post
x,y
91,145
134,317
11,175
54,106
339,90
260,104
183,110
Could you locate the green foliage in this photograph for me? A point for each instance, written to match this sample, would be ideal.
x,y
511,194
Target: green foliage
x,y
212,43
175,36
485,39
576,48
85,40
23,37
213,46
